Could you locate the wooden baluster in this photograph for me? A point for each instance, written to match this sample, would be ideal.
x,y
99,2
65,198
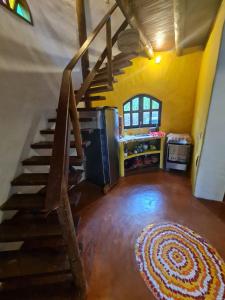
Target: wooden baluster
x,y
82,29
75,123
67,153
67,224
109,51
60,147
69,234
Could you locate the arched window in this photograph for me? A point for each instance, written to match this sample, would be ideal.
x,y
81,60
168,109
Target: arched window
x,y
20,8
142,111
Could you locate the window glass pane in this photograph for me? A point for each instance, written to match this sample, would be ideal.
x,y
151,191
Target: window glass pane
x,y
27,16
155,105
155,117
135,119
146,118
21,11
146,103
3,2
12,3
127,107
127,120
135,104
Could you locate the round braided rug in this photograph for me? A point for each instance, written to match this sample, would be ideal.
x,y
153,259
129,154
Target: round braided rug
x,y
176,263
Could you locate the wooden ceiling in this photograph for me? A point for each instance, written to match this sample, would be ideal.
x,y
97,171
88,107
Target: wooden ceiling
x,y
171,24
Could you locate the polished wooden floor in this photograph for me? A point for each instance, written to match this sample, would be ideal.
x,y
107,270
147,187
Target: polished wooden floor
x,y
111,223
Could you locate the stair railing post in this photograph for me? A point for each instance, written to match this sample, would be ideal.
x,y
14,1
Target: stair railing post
x,y
67,153
82,29
57,197
109,52
69,234
74,117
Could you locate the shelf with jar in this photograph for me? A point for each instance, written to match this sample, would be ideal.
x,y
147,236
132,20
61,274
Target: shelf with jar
x,y
141,152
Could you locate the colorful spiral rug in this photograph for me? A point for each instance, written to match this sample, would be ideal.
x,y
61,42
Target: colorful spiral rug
x,y
176,263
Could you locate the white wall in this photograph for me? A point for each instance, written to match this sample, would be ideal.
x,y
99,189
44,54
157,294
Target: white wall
x,y
31,62
210,183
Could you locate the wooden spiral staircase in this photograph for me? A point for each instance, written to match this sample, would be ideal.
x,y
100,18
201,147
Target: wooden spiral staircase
x,y
48,263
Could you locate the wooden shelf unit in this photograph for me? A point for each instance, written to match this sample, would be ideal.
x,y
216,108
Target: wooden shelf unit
x,y
135,139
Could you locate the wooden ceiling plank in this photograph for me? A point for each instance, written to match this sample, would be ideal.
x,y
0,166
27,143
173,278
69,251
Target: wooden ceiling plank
x,y
179,24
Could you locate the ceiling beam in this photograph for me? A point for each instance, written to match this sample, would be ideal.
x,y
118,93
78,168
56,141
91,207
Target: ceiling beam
x,y
128,13
179,8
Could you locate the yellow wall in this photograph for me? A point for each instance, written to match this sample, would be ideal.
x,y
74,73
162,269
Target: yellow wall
x,y
205,85
173,81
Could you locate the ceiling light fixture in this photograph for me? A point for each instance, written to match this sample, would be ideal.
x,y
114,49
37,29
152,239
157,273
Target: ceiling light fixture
x,y
160,38
158,59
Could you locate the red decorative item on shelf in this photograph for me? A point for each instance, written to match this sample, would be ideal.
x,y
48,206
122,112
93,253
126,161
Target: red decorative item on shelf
x,y
157,134
147,160
138,163
155,159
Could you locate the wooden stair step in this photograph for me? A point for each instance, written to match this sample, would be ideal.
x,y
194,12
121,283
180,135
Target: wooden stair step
x,y
50,120
104,75
120,63
93,98
30,179
49,144
82,109
39,217
52,131
40,262
100,89
100,82
22,232
19,283
118,66
52,242
46,160
28,202
88,119
43,243
103,71
25,217
24,202
55,291
34,202
122,56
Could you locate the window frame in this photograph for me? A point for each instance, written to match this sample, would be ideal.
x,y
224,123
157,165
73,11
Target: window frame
x,y
23,3
142,110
